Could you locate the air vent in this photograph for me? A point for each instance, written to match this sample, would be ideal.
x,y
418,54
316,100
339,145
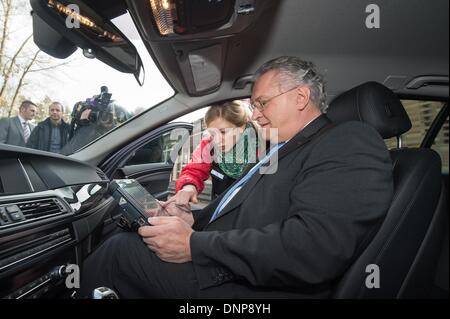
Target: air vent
x,y
41,208
13,213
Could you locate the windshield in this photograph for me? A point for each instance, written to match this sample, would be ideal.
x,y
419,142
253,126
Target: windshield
x,y
60,105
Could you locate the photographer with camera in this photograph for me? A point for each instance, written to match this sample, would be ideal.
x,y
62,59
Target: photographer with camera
x,y
90,119
87,112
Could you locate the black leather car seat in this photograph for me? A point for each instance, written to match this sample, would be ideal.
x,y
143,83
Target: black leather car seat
x,y
398,246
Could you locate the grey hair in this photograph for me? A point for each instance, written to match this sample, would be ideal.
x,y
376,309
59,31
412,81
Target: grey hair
x,y
294,71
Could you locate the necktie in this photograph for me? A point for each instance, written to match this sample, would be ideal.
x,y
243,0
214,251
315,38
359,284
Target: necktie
x,y
235,189
26,132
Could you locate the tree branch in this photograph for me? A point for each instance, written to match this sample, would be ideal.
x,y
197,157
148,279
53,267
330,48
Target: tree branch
x,y
4,4
7,9
50,67
21,81
7,74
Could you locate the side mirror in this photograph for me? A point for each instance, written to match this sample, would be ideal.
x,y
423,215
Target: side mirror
x,y
59,28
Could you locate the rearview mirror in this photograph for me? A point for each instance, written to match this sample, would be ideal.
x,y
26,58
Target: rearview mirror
x,y
60,27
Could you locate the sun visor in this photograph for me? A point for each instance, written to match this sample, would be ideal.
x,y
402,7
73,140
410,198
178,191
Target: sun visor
x,y
201,67
206,67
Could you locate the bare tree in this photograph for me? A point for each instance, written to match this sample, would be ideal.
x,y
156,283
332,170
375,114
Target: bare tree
x,y
7,8
21,81
17,59
7,71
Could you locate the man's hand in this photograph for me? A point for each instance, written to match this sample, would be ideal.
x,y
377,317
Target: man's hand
x,y
185,195
182,211
85,114
169,238
157,211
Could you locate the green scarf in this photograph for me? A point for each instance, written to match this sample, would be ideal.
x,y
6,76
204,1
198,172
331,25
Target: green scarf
x,y
235,161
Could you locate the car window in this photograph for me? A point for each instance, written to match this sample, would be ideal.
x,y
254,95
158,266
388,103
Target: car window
x,y
422,115
185,153
196,118
440,145
61,105
159,150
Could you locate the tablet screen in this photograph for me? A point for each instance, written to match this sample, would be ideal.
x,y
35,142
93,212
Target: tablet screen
x,y
139,196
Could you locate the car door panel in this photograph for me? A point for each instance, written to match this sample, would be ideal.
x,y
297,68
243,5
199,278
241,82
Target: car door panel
x,y
154,177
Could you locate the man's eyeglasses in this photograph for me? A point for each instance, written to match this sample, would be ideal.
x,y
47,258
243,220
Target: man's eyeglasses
x,y
260,104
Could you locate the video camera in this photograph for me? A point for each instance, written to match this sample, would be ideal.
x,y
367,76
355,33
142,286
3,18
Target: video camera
x,y
99,104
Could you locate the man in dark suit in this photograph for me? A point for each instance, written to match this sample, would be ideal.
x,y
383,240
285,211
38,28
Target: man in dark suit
x,y
51,134
288,234
17,130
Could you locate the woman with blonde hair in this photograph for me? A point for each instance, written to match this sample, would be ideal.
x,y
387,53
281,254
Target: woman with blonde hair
x,y
224,155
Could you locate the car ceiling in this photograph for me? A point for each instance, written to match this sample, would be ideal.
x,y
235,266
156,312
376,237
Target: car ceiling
x,y
412,41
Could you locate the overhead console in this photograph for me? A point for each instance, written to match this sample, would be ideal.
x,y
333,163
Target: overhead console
x,y
191,38
190,17
193,19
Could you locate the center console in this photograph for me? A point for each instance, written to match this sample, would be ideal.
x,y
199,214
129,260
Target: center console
x,y
31,266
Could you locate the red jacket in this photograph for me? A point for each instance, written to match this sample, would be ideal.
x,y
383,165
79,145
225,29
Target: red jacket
x,y
197,171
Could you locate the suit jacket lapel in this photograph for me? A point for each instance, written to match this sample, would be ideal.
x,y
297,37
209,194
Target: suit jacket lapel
x,y
305,135
19,127
296,142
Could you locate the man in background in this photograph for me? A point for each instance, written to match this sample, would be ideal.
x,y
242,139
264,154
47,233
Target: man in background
x,y
51,134
17,130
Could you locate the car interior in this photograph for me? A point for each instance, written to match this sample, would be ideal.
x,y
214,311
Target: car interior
x,y
55,210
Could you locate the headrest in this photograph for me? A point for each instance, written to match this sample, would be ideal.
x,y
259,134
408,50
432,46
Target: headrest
x,y
374,104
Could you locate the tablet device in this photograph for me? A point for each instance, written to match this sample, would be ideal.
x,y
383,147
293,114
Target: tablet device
x,y
136,203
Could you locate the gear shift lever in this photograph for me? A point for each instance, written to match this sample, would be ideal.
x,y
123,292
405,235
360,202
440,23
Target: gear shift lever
x,y
104,293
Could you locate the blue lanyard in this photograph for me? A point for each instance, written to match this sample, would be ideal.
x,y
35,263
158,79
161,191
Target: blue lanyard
x,y
242,181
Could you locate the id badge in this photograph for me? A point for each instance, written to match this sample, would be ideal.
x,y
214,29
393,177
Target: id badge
x,y
217,174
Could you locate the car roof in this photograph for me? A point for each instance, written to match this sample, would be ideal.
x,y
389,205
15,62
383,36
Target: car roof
x,y
411,41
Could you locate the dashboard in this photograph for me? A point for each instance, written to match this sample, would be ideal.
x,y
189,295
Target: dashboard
x,y
53,212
